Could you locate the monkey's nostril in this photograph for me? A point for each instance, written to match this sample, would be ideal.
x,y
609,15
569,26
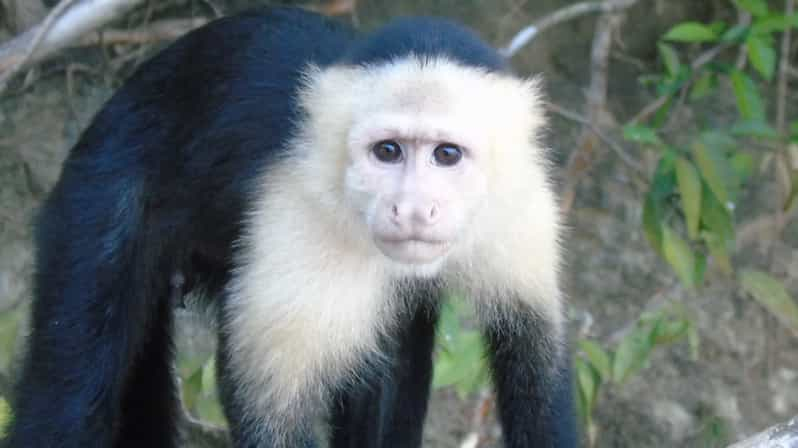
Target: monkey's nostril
x,y
433,212
395,210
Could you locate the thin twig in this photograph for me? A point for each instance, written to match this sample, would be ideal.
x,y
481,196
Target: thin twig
x,y
628,160
781,118
742,55
66,23
479,418
526,35
152,33
582,158
697,64
784,69
40,33
702,60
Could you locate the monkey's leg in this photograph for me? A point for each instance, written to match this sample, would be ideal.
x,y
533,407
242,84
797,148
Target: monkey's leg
x,y
149,407
389,411
532,379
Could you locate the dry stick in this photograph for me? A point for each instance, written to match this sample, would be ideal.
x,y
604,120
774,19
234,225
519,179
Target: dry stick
x,y
580,159
784,434
628,160
38,34
742,56
526,35
784,69
702,60
478,420
66,23
781,110
152,33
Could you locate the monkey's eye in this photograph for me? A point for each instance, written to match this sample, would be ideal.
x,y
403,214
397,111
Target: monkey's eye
x,y
447,154
387,151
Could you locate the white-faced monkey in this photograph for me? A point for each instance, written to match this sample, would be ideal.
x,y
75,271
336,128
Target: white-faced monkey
x,y
323,188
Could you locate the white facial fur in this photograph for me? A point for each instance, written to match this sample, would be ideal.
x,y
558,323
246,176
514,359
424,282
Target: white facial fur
x,y
415,208
311,293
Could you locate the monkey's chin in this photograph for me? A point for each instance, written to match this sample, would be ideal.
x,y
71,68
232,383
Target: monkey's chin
x,y
414,251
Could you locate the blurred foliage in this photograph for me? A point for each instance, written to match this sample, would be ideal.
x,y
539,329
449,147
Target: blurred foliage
x,y
5,416
596,366
460,360
689,210
689,217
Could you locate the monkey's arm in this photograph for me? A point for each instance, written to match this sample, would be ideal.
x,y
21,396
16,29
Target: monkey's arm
x,y
532,379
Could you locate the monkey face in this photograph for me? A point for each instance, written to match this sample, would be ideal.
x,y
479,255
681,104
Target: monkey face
x,y
416,184
418,149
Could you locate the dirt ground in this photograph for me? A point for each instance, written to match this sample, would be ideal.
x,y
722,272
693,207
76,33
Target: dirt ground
x,y
746,376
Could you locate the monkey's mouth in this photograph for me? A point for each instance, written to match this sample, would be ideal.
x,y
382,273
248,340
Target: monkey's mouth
x,y
413,250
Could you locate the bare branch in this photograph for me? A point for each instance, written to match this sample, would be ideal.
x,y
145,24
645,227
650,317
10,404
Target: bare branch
x,y
784,70
785,434
66,23
525,36
628,160
479,419
152,33
582,158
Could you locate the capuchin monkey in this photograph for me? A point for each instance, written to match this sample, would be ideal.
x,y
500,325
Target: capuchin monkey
x,y
324,189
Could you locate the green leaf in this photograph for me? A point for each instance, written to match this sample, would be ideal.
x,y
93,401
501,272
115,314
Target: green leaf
x,y
718,27
703,86
755,7
775,23
598,357
714,169
5,417
755,128
448,325
771,294
667,331
762,55
652,223
679,255
743,165
9,329
461,360
719,139
690,190
749,103
662,114
463,366
208,380
663,185
693,341
717,218
700,268
718,248
192,389
641,134
631,354
588,382
691,32
670,58
736,33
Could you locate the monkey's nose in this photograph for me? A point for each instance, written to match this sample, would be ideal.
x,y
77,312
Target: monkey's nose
x,y
422,213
